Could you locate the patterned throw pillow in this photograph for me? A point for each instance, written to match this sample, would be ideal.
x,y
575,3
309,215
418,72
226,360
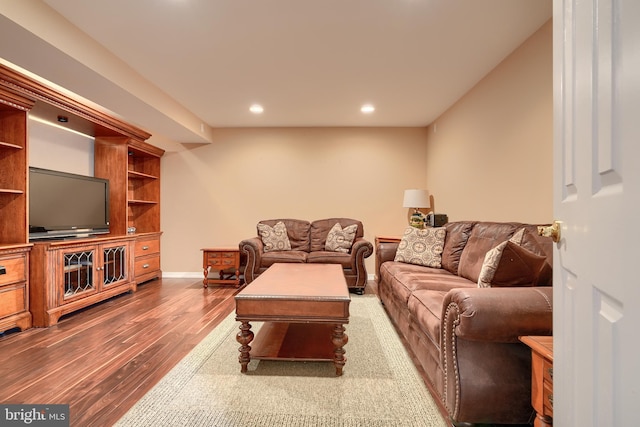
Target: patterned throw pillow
x,y
511,264
340,239
422,246
274,238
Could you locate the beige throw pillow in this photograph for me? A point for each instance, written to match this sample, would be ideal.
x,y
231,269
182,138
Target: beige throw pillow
x,y
340,239
274,238
422,246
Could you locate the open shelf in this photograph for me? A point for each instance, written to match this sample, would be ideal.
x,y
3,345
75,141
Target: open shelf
x,y
8,145
143,202
139,175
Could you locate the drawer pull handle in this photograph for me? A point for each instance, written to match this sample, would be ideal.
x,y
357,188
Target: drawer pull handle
x,y
3,269
145,266
550,370
144,248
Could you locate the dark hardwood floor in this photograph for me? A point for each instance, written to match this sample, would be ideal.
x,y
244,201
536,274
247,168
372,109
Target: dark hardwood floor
x,y
101,360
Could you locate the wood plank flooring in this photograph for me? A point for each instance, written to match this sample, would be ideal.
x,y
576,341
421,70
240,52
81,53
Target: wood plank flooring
x,y
101,360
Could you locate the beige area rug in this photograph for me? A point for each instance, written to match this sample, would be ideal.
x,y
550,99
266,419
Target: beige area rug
x,y
379,387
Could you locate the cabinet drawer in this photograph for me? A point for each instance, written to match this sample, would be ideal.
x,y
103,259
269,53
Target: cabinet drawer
x,y
13,299
147,246
147,265
16,269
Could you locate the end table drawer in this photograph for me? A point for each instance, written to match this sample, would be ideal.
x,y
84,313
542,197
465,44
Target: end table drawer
x,y
222,255
16,270
222,262
547,399
146,265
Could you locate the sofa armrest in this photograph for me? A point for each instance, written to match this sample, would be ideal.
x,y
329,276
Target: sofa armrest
x,y
386,251
498,314
253,249
480,330
360,249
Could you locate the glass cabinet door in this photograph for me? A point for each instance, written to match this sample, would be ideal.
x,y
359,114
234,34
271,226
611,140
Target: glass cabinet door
x,y
78,273
114,267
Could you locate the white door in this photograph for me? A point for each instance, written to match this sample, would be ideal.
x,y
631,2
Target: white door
x,y
597,198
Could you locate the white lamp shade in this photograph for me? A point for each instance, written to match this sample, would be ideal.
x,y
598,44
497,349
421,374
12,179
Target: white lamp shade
x,y
416,199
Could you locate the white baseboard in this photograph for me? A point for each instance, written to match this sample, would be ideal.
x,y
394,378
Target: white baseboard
x,y
182,275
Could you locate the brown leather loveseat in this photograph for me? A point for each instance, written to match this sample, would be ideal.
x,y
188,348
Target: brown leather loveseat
x,y
309,242
465,335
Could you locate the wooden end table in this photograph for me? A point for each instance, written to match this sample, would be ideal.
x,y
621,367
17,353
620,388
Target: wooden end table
x,y
304,307
541,378
221,259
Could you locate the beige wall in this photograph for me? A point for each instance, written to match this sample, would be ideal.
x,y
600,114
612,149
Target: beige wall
x,y
489,157
214,194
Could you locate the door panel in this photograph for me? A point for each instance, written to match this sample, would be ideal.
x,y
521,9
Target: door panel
x,y
597,198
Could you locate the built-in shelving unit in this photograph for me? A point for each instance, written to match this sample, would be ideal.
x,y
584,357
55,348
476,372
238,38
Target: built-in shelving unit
x,y
14,243
122,155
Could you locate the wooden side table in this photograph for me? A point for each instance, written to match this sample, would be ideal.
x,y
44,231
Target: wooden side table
x,y
221,259
541,378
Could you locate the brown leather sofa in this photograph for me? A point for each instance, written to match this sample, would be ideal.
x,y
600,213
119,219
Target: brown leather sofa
x,y
465,337
307,241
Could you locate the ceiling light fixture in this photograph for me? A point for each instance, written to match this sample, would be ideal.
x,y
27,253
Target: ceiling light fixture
x,y
256,109
368,109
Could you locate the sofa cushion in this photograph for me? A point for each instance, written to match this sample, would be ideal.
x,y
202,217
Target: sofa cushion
x,y
421,246
510,264
340,239
457,236
484,237
319,230
404,279
297,231
328,257
425,307
270,258
274,238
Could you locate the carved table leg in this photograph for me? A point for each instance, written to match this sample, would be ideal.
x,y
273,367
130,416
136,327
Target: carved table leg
x,y
339,339
206,275
244,337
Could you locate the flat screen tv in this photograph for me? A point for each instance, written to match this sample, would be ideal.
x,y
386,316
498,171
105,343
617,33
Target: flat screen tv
x,y
63,205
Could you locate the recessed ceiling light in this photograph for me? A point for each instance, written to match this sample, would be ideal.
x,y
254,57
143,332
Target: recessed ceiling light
x,y
256,109
368,109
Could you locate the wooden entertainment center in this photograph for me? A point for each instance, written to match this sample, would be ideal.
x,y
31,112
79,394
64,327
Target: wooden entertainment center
x,y
43,280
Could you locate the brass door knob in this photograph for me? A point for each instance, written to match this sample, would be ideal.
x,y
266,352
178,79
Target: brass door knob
x,y
552,231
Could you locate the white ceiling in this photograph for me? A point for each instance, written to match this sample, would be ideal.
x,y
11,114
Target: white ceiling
x,y
309,63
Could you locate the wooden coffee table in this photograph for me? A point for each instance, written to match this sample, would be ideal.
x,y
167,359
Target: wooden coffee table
x,y
304,307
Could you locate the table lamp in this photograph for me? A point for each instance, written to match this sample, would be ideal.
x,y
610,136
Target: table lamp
x,y
416,199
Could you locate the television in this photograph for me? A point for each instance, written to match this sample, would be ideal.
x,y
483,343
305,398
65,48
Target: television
x,y
64,205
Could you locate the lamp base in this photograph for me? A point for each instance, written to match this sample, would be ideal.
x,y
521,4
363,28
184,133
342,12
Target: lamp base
x,y
417,219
